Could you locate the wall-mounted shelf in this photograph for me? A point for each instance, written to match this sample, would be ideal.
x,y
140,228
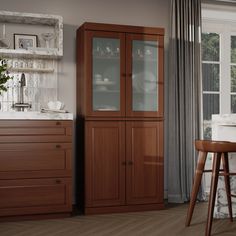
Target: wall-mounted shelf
x,y
19,18
37,70
30,53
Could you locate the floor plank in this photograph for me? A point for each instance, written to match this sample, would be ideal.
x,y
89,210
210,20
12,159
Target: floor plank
x,y
168,222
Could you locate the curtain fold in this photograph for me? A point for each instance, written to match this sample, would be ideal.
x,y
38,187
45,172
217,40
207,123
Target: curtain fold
x,y
184,97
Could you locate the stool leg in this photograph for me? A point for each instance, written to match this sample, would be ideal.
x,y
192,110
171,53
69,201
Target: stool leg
x,y
214,181
225,161
197,181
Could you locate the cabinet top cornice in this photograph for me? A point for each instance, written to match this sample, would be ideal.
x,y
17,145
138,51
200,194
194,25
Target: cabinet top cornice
x,y
123,28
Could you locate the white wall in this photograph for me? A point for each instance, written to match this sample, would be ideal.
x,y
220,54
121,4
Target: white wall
x,y
154,13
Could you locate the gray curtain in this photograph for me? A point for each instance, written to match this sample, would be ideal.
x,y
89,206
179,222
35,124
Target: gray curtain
x,y
184,97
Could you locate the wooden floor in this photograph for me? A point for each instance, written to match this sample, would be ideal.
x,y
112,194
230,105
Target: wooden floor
x,y
167,222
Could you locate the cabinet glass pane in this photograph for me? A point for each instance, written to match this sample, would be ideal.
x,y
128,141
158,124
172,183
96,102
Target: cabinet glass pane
x,y
144,75
106,74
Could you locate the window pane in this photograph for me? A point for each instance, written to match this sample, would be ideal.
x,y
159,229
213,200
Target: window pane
x,y
210,75
233,78
233,49
210,105
233,103
207,130
210,47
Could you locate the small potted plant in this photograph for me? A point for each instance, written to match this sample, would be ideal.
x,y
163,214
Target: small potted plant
x,y
4,76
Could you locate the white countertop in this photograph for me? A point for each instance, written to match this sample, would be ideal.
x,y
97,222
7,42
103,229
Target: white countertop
x,y
224,119
31,115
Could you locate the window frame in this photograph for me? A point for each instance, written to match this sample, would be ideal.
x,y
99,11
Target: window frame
x,y
225,28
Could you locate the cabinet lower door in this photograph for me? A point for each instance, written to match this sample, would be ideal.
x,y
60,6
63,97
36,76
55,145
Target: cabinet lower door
x,y
144,154
105,163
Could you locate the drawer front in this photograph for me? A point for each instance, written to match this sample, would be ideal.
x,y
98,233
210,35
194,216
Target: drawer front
x,y
35,123
35,160
35,196
35,131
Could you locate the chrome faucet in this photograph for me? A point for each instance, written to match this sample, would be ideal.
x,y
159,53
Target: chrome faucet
x,y
21,105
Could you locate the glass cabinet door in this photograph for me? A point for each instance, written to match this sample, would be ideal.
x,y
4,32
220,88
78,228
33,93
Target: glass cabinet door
x,y
144,71
107,66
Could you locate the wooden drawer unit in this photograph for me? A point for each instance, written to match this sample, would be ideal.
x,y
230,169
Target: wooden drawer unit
x,y
35,160
35,131
35,167
34,196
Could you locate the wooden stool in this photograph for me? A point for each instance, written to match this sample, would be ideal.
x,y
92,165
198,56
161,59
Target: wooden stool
x,y
220,150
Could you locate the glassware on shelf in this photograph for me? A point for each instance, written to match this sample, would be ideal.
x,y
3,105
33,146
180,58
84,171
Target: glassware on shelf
x,y
4,42
47,37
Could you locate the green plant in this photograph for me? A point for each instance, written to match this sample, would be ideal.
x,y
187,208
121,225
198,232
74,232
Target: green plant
x,y
4,76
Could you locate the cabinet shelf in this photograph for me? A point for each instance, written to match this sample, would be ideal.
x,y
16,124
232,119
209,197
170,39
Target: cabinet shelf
x,y
142,59
106,91
106,58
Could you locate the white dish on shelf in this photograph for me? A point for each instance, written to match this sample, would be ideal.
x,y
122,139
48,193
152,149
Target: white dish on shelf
x,y
144,82
106,108
101,88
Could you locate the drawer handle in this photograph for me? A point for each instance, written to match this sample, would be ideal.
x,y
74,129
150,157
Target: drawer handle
x,y
130,162
58,123
58,181
58,146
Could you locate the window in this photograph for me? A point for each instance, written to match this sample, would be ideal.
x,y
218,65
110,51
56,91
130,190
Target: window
x,y
218,67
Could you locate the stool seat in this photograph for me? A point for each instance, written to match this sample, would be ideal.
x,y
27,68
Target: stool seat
x,y
215,146
220,149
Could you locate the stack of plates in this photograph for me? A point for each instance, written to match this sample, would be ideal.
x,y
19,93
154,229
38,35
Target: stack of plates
x,y
144,82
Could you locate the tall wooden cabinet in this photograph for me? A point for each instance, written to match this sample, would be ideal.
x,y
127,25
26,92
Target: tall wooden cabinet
x,y
120,117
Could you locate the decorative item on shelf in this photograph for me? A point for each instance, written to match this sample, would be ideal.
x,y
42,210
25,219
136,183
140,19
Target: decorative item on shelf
x,y
25,41
144,82
4,76
102,83
148,52
98,77
109,50
54,107
27,65
106,108
47,37
4,42
117,51
139,53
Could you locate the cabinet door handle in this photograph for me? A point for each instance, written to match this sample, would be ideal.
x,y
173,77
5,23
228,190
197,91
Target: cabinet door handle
x,y
58,123
130,163
58,181
58,146
123,163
